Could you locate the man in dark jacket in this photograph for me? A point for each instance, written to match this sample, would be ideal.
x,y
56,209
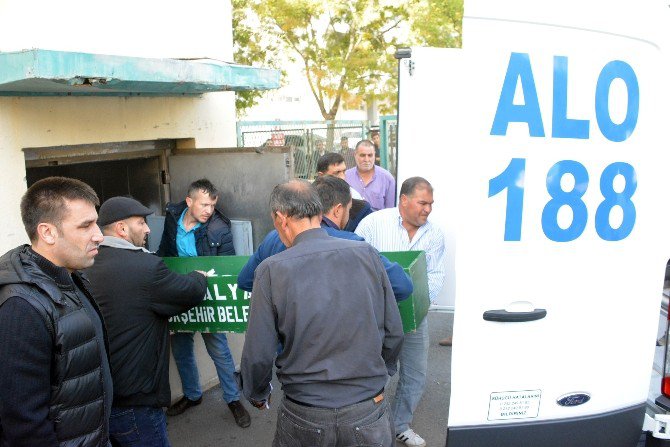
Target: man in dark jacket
x,y
137,294
55,382
195,227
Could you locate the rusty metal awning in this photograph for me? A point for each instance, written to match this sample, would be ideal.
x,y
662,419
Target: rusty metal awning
x,y
61,73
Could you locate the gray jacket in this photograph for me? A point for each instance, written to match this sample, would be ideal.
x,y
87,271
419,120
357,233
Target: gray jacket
x,y
330,304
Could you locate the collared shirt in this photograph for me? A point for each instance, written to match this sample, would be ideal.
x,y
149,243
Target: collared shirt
x,y
325,222
384,231
340,328
380,192
186,238
355,194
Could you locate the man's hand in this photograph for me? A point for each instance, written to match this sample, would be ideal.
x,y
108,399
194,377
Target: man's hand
x,y
262,404
203,273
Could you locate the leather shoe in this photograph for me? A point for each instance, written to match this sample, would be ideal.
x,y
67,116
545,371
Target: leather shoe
x,y
240,414
182,405
445,341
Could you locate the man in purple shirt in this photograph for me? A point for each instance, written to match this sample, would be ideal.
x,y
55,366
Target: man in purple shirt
x,y
374,183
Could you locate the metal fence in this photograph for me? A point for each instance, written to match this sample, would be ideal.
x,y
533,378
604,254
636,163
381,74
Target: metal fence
x,y
309,139
388,132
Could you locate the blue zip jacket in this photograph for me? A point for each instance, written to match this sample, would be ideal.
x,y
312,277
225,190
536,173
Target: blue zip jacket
x,y
271,245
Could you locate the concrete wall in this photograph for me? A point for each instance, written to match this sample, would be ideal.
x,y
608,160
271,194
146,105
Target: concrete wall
x,y
149,28
55,121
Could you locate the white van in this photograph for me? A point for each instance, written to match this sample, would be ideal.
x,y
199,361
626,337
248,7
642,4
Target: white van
x,y
551,182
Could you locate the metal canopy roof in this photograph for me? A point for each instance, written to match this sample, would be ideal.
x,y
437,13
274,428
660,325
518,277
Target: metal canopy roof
x,y
61,73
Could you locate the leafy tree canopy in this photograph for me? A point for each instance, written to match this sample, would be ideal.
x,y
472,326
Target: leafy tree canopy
x,y
346,47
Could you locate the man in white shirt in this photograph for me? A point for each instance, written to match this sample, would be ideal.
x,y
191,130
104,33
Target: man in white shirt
x,y
406,228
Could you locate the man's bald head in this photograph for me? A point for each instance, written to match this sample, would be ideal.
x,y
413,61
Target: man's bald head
x,y
296,198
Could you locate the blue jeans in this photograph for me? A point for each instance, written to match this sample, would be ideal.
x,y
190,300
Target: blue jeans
x,y
217,348
138,427
412,376
363,424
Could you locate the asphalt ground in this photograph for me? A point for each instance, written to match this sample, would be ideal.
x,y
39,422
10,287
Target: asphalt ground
x,y
211,423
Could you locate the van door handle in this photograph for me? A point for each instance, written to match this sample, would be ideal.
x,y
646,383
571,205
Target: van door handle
x,y
506,316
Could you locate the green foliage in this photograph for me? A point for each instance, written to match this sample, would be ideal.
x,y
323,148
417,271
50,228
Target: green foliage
x,y
346,47
437,23
250,49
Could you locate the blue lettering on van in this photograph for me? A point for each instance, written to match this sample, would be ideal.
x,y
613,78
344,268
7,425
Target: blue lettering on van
x,y
611,71
512,179
520,73
518,70
561,125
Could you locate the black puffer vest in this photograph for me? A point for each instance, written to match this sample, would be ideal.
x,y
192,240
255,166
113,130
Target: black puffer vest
x,y
77,405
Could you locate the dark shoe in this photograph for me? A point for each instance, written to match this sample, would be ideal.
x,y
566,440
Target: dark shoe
x,y
240,414
182,405
445,341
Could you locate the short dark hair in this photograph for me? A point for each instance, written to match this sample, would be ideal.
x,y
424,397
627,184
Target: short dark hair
x,y
296,198
332,190
203,185
367,143
413,183
328,159
45,201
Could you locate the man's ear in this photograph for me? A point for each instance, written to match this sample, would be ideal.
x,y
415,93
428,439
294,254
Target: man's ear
x,y
47,232
337,210
189,201
282,219
120,229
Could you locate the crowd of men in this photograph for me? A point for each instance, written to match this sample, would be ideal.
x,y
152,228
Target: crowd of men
x,y
84,312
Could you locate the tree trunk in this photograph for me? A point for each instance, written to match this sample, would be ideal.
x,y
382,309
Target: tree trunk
x,y
330,136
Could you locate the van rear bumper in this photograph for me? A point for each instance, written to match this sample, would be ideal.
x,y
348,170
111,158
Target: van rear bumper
x,y
662,406
619,428
655,442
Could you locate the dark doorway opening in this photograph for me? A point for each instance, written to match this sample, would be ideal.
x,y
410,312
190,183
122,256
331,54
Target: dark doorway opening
x,y
139,178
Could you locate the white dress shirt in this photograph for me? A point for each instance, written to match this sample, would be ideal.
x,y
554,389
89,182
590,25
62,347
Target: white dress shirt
x,y
383,230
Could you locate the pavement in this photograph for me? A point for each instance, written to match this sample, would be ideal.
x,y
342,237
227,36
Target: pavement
x,y
211,423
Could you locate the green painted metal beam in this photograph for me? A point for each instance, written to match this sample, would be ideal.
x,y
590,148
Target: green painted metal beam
x,y
61,73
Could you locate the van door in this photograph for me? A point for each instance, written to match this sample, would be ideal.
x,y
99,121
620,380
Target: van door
x,y
547,156
245,178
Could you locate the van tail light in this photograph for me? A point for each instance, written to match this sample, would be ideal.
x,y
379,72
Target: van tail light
x,y
665,382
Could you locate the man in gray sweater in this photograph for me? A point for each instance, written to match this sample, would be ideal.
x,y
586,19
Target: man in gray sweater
x,y
329,302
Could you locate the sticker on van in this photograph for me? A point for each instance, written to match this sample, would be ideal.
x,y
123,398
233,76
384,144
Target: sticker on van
x,y
514,405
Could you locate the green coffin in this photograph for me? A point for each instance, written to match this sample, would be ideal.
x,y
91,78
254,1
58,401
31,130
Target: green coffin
x,y
226,308
414,309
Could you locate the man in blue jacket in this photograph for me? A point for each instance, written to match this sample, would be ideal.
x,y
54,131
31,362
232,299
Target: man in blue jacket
x,y
195,227
336,200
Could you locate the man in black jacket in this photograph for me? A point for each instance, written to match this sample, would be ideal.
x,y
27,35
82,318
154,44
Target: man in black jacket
x,y
195,227
137,294
55,382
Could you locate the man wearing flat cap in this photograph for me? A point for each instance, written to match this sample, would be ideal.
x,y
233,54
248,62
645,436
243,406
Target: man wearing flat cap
x,y
137,295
